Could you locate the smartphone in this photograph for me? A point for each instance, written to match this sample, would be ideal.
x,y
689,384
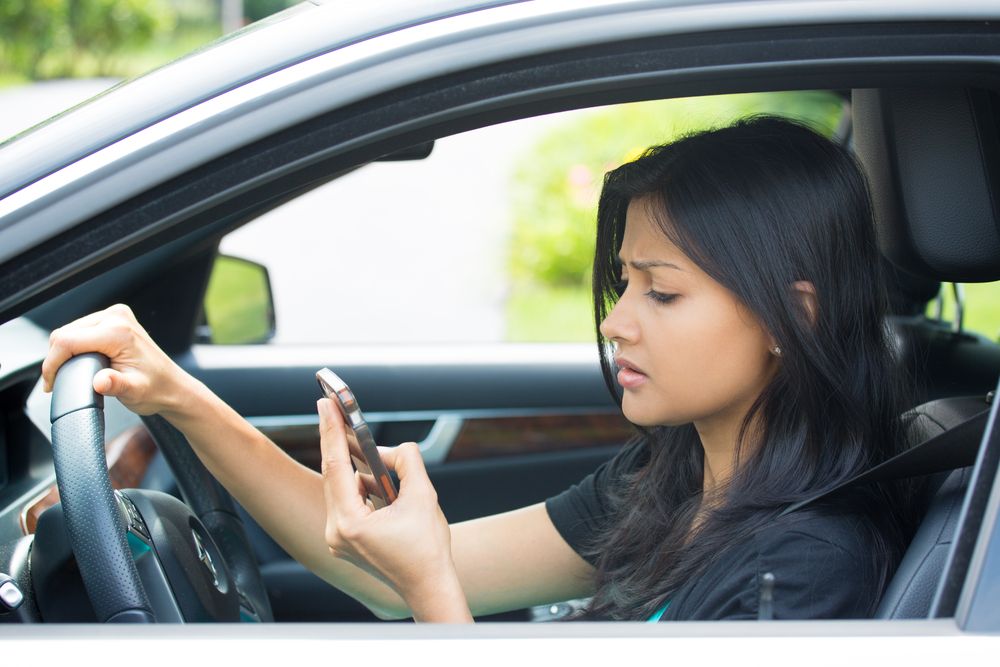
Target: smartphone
x,y
364,454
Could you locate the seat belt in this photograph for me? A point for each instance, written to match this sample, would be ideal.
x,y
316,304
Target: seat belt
x,y
955,448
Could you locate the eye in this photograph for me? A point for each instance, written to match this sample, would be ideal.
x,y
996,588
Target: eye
x,y
619,287
660,297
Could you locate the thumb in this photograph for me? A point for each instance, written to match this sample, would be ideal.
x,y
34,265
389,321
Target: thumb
x,y
408,464
109,382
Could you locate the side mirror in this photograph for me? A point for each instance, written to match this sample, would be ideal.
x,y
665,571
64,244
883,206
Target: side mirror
x,y
239,306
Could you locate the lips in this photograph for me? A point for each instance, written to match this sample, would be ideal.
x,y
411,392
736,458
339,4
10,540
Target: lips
x,y
630,376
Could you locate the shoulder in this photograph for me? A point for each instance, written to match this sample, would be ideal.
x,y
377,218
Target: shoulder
x,y
585,510
841,535
822,565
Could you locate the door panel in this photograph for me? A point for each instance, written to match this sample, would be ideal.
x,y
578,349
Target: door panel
x,y
501,426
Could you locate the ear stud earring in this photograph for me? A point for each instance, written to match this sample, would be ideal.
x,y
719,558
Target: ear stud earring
x,y
776,351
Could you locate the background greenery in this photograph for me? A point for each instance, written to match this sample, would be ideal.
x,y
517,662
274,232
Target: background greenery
x,y
555,192
46,39
556,185
982,308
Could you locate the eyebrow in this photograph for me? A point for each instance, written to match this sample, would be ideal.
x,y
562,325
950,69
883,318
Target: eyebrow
x,y
645,264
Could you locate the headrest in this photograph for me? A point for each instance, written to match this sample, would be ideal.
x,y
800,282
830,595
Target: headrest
x,y
933,160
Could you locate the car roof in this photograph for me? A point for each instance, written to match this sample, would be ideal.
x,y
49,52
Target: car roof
x,y
294,35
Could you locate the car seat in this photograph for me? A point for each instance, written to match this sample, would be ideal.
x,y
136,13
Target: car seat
x,y
932,157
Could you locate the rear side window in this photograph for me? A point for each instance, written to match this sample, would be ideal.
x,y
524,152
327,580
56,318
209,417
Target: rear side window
x,y
979,312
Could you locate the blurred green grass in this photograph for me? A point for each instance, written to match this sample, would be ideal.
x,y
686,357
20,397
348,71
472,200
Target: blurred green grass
x,y
560,314
982,308
550,314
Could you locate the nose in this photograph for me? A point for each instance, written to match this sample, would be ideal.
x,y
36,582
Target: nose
x,y
620,325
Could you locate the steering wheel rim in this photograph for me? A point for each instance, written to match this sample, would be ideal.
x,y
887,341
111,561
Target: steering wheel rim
x,y
94,522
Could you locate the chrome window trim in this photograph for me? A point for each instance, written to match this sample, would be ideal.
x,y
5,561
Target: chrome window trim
x,y
360,70
342,355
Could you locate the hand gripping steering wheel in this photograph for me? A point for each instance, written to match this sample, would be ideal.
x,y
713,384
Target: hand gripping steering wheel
x,y
145,556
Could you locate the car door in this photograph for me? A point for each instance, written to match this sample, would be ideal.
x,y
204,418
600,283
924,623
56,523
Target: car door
x,y
170,254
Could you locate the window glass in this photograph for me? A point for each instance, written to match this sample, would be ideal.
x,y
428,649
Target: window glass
x,y
489,239
237,304
980,307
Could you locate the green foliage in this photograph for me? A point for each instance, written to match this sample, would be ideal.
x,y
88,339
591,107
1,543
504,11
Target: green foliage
x,y
538,313
556,186
29,29
46,38
103,28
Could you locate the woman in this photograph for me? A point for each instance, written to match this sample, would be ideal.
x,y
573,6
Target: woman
x,y
736,279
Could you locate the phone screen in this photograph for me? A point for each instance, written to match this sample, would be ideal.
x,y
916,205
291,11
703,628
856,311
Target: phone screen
x,y
379,486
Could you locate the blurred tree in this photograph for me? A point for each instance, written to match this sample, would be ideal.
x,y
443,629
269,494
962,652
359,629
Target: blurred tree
x,y
102,28
43,38
29,29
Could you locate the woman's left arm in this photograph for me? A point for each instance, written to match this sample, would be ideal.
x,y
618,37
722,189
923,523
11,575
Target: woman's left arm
x,y
406,544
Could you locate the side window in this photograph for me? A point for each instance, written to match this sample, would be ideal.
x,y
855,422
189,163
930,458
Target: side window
x,y
488,239
979,310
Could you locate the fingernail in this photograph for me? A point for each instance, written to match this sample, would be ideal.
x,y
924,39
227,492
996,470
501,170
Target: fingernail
x,y
323,407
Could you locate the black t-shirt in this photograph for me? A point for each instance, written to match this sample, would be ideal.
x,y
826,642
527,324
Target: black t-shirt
x,y
819,558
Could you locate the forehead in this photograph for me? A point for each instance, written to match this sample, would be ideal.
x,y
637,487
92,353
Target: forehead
x,y
643,237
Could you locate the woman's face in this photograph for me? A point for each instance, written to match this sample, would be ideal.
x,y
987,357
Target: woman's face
x,y
688,349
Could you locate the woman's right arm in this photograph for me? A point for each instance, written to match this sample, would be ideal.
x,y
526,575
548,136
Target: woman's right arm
x,y
506,561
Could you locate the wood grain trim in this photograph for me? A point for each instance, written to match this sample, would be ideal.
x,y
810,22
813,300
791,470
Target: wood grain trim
x,y
510,436
489,437
301,442
129,456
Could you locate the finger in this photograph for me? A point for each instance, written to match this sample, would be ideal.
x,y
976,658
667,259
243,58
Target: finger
x,y
362,487
67,342
339,485
109,382
87,320
408,465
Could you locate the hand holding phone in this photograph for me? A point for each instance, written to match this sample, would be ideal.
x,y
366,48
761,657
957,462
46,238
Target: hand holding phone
x,y
380,488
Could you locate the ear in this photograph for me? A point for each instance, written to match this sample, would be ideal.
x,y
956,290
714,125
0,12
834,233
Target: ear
x,y
805,292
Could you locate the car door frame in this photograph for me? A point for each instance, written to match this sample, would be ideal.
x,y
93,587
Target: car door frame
x,y
173,207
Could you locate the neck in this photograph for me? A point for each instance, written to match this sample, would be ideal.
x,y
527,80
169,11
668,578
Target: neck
x,y
719,445
718,437
719,434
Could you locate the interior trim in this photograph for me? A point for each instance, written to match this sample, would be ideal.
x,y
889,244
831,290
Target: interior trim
x,y
463,435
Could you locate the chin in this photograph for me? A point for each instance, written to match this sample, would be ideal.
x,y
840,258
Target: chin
x,y
649,416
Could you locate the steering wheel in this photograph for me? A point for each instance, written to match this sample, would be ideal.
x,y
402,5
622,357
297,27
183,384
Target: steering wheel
x,y
145,556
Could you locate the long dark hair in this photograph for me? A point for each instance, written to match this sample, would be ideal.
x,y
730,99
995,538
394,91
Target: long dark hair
x,y
757,206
